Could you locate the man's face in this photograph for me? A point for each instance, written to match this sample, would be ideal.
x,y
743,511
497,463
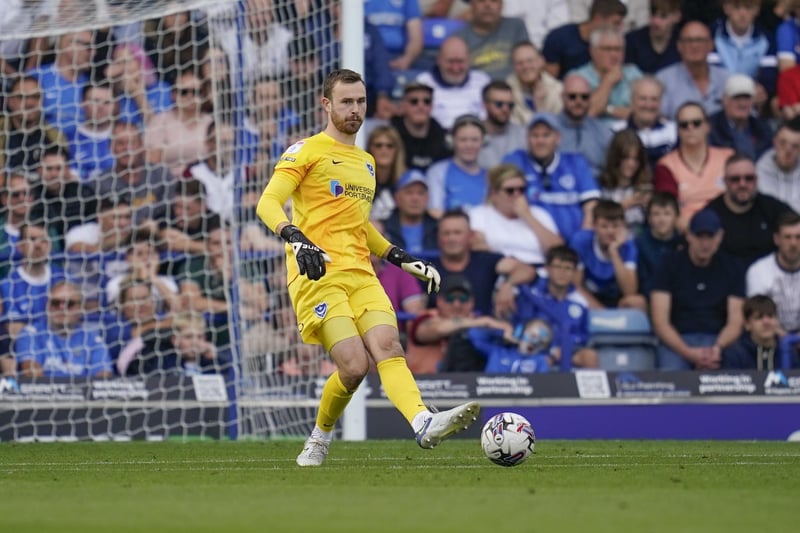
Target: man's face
x,y
454,236
453,61
560,273
741,183
347,106
189,341
646,103
662,24
127,146
607,231
54,171
527,63
467,143
787,239
188,92
762,326
139,303
694,43
63,307
543,141
455,304
98,106
266,99
76,49
486,13
412,200
187,211
703,246
787,148
609,52
35,244
737,107
416,106
740,14
220,143
25,104
576,97
117,220
499,103
143,253
19,197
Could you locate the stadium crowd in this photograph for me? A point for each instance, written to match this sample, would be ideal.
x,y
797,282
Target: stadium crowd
x,y
551,163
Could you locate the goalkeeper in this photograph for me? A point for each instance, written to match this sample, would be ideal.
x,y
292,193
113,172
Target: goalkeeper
x,y
336,295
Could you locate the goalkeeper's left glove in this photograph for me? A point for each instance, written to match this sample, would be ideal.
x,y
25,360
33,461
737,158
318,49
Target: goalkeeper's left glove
x,y
418,268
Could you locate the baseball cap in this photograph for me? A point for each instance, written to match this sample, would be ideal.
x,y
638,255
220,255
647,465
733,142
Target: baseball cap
x,y
416,86
544,118
410,177
455,283
705,221
740,85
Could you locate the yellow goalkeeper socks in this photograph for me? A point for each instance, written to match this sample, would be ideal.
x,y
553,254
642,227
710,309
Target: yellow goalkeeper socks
x,y
335,398
400,387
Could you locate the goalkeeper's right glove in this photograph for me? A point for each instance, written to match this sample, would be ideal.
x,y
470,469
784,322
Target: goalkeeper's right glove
x,y
418,268
310,258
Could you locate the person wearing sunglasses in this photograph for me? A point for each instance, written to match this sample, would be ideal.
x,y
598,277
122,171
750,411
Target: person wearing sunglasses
x,y
750,218
736,125
693,170
502,134
61,346
423,137
507,224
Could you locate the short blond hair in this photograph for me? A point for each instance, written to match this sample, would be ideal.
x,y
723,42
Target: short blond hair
x,y
186,319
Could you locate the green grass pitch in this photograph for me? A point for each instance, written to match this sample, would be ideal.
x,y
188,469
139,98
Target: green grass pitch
x,y
393,486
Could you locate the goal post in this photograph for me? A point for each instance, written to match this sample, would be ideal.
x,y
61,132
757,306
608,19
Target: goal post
x,y
136,130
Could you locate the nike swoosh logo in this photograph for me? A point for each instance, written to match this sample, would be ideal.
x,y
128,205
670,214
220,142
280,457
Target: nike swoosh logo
x,y
335,162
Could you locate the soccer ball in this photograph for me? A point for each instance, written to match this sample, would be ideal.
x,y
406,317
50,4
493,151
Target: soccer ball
x,y
507,439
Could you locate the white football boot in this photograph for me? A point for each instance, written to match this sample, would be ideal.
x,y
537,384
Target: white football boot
x,y
440,426
314,452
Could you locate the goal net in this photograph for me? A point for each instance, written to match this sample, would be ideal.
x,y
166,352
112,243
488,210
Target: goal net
x,y
141,296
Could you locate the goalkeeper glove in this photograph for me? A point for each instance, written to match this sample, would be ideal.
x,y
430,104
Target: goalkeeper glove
x,y
310,258
418,268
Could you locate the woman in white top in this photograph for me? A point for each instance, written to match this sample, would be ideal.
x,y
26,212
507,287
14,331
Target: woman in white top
x,y
507,224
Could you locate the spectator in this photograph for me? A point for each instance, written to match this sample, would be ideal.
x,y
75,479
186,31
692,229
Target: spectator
x,y
778,169
174,43
759,347
658,134
502,135
137,90
401,287
787,37
148,186
304,85
778,274
488,273
62,346
569,201
271,123
655,46
524,349
62,81
693,79
24,136
456,87
607,271
748,216
656,240
556,299
24,291
741,46
91,142
459,181
385,145
696,301
608,77
409,225
177,137
490,36
692,171
788,93
627,178
533,87
423,137
548,15
449,323
215,172
735,126
400,27
507,224
188,352
635,18
63,201
567,47
581,133
189,221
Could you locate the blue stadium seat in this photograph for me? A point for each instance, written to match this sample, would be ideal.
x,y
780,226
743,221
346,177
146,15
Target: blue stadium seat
x,y
623,338
436,30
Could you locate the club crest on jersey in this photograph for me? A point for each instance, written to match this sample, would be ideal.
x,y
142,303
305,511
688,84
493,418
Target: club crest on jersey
x,y
336,188
296,147
371,169
321,310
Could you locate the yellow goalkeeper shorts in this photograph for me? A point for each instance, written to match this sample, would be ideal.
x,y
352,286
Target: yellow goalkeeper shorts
x,y
339,294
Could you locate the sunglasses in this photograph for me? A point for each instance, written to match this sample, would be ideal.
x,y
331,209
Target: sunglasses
x,y
579,96
514,190
379,146
18,194
189,92
696,123
735,178
61,302
457,297
501,104
416,101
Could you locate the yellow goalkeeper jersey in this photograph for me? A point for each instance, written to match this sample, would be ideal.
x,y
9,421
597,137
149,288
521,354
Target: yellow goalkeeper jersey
x,y
332,186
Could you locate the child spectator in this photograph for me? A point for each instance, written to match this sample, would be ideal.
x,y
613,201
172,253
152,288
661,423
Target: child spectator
x,y
659,237
91,142
626,178
758,348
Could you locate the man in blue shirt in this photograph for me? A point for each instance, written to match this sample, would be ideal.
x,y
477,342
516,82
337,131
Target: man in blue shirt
x,y
62,347
409,225
561,183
